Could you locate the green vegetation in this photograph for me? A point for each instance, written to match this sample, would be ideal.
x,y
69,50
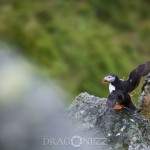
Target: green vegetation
x,y
78,42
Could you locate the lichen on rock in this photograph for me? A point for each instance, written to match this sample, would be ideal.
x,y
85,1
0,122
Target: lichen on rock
x,y
123,129
144,98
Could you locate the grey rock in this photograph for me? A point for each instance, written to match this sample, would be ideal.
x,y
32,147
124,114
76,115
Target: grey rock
x,y
144,98
85,110
123,129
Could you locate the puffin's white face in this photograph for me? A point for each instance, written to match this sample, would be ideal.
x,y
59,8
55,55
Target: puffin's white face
x,y
109,78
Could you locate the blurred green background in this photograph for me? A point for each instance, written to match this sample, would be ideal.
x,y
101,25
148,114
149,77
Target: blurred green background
x,y
78,42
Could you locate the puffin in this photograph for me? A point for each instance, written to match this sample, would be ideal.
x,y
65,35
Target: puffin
x,y
118,100
119,89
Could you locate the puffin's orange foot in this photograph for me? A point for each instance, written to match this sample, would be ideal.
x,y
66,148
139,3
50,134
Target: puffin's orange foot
x,y
118,107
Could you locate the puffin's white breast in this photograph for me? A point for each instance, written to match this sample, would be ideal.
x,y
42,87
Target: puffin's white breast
x,y
111,88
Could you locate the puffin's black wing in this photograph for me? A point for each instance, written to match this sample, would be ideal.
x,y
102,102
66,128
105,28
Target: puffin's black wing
x,y
116,96
136,75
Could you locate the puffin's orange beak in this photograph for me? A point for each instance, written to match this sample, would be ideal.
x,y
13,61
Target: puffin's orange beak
x,y
103,81
118,107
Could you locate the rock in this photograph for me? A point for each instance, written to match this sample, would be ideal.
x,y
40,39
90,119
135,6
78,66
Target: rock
x,y
122,129
144,98
85,110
